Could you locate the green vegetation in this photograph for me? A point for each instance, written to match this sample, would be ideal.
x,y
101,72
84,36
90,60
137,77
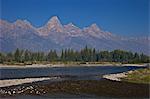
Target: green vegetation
x,y
139,76
69,55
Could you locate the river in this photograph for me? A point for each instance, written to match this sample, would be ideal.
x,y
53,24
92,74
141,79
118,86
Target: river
x,y
68,73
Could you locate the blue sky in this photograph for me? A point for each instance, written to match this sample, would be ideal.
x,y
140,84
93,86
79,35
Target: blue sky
x,y
123,17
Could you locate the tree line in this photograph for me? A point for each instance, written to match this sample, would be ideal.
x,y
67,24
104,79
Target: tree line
x,y
69,55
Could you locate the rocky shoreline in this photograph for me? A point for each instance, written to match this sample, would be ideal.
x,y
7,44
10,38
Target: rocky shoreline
x,y
101,88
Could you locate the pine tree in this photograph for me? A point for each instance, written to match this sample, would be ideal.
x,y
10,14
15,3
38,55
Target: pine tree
x,y
2,58
62,55
27,56
17,55
52,56
9,57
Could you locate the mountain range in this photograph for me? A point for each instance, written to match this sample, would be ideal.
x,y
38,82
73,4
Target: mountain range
x,y
53,35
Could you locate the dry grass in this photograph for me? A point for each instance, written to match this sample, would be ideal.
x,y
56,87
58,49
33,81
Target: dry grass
x,y
139,76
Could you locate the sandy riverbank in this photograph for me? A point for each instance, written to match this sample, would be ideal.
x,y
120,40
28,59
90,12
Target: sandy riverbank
x,y
11,82
65,65
117,76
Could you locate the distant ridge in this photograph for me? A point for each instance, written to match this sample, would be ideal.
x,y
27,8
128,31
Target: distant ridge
x,y
54,35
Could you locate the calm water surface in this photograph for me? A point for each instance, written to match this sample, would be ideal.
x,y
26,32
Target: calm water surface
x,y
82,72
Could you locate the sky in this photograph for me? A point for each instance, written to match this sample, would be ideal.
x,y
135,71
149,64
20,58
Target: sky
x,y
121,17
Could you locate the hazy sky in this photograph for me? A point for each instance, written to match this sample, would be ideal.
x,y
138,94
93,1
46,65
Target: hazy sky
x,y
123,17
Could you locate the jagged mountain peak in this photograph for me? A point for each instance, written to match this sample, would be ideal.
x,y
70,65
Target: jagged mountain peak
x,y
54,20
72,30
26,21
19,22
23,23
94,27
71,25
54,35
53,25
4,22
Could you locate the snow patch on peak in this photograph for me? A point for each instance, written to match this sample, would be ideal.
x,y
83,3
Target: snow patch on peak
x,y
71,25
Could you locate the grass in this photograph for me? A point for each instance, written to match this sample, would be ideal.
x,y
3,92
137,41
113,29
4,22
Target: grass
x,y
139,76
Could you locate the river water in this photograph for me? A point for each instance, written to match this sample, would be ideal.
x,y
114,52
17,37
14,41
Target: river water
x,y
13,73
